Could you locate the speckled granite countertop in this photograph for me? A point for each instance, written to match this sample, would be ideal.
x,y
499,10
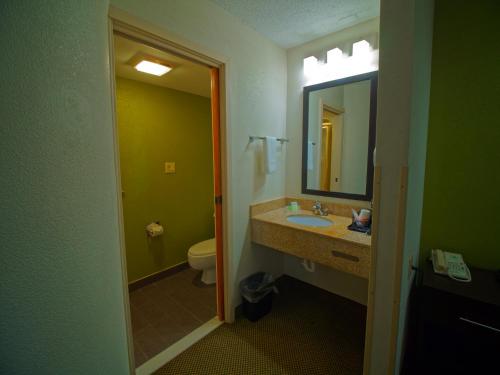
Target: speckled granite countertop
x,y
337,231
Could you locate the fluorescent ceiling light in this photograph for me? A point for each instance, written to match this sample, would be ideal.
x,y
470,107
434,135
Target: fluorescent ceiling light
x,y
150,67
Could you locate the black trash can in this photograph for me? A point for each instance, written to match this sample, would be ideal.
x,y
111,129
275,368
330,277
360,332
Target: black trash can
x,y
257,291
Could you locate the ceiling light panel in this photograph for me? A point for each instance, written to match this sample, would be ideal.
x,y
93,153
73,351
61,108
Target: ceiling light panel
x,y
151,67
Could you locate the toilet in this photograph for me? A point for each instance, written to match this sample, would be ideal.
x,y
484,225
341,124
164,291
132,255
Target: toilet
x,y
201,256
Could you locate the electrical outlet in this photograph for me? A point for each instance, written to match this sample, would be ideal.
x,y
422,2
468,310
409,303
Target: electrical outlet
x,y
169,167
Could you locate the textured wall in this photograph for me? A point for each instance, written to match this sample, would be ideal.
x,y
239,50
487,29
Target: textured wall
x,y
462,161
62,303
403,100
61,288
393,123
421,83
256,94
155,125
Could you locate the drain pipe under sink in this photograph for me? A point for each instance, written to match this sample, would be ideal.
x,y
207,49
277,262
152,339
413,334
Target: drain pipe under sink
x,y
308,265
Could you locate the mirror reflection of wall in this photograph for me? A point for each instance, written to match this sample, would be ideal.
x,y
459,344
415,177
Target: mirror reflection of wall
x,y
338,138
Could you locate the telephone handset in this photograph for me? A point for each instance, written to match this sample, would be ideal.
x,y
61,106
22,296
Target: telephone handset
x,y
450,264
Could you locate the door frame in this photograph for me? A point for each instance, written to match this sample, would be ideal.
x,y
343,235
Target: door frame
x,y
121,23
336,146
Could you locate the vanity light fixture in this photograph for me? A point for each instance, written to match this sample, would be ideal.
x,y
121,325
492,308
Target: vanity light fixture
x,y
152,67
334,56
364,59
361,49
310,66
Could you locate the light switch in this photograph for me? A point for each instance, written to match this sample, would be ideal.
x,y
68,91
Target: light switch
x,y
169,167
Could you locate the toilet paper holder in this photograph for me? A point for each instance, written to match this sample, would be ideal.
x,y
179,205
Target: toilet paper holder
x,y
154,229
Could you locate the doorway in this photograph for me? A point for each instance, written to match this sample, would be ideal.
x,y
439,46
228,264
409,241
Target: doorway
x,y
168,148
332,120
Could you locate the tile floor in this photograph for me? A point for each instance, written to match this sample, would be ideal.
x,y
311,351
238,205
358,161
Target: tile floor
x,y
167,310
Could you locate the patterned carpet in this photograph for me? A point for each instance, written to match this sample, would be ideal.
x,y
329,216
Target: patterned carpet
x,y
309,331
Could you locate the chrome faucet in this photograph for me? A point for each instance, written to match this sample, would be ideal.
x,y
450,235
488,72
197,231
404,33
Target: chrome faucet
x,y
319,210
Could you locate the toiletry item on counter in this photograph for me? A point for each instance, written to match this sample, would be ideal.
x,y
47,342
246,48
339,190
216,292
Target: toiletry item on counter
x,y
154,229
293,206
363,218
361,222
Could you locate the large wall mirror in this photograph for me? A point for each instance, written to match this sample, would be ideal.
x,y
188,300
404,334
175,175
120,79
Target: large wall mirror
x,y
339,137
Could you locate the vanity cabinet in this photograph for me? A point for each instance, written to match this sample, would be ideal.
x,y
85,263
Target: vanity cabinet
x,y
331,252
333,246
458,324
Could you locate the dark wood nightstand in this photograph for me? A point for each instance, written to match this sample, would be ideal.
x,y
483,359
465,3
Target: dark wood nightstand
x,y
458,324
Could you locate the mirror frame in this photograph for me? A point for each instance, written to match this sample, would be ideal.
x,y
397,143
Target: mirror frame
x,y
373,78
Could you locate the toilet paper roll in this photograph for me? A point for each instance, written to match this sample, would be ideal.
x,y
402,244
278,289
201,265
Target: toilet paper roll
x,y
154,230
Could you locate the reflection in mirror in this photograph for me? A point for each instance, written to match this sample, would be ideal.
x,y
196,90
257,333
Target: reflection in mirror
x,y
331,129
339,137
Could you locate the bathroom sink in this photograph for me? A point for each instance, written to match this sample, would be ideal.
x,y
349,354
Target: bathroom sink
x,y
309,220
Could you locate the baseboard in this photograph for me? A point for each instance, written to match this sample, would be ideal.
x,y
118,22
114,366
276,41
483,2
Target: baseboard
x,y
157,276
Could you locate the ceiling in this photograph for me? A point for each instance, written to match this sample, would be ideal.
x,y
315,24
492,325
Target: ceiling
x,y
290,23
185,76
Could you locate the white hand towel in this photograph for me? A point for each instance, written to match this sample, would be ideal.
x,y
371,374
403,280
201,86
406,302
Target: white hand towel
x,y
310,156
270,160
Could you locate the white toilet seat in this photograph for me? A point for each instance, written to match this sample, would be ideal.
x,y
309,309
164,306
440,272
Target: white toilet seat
x,y
203,248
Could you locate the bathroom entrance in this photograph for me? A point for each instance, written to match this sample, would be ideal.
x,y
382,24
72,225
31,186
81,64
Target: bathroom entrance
x,y
331,148
168,137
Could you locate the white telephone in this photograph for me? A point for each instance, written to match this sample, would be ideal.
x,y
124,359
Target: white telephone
x,y
450,264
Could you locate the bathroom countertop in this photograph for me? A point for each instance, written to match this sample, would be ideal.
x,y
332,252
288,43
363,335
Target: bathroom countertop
x,y
338,230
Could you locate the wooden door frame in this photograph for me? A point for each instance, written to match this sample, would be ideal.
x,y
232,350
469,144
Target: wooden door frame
x,y
370,305
397,270
217,162
337,144
121,23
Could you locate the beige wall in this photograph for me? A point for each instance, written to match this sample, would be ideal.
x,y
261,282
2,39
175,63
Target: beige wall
x,y
256,100
61,274
61,278
405,56
421,83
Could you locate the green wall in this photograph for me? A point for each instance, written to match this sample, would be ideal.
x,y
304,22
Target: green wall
x,y
156,125
461,196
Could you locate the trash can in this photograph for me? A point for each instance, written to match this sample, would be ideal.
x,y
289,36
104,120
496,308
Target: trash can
x,y
257,291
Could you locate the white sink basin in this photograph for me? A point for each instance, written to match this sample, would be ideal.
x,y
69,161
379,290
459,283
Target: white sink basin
x,y
309,220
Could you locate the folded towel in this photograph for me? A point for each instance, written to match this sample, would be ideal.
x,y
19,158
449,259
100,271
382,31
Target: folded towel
x,y
310,156
270,160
